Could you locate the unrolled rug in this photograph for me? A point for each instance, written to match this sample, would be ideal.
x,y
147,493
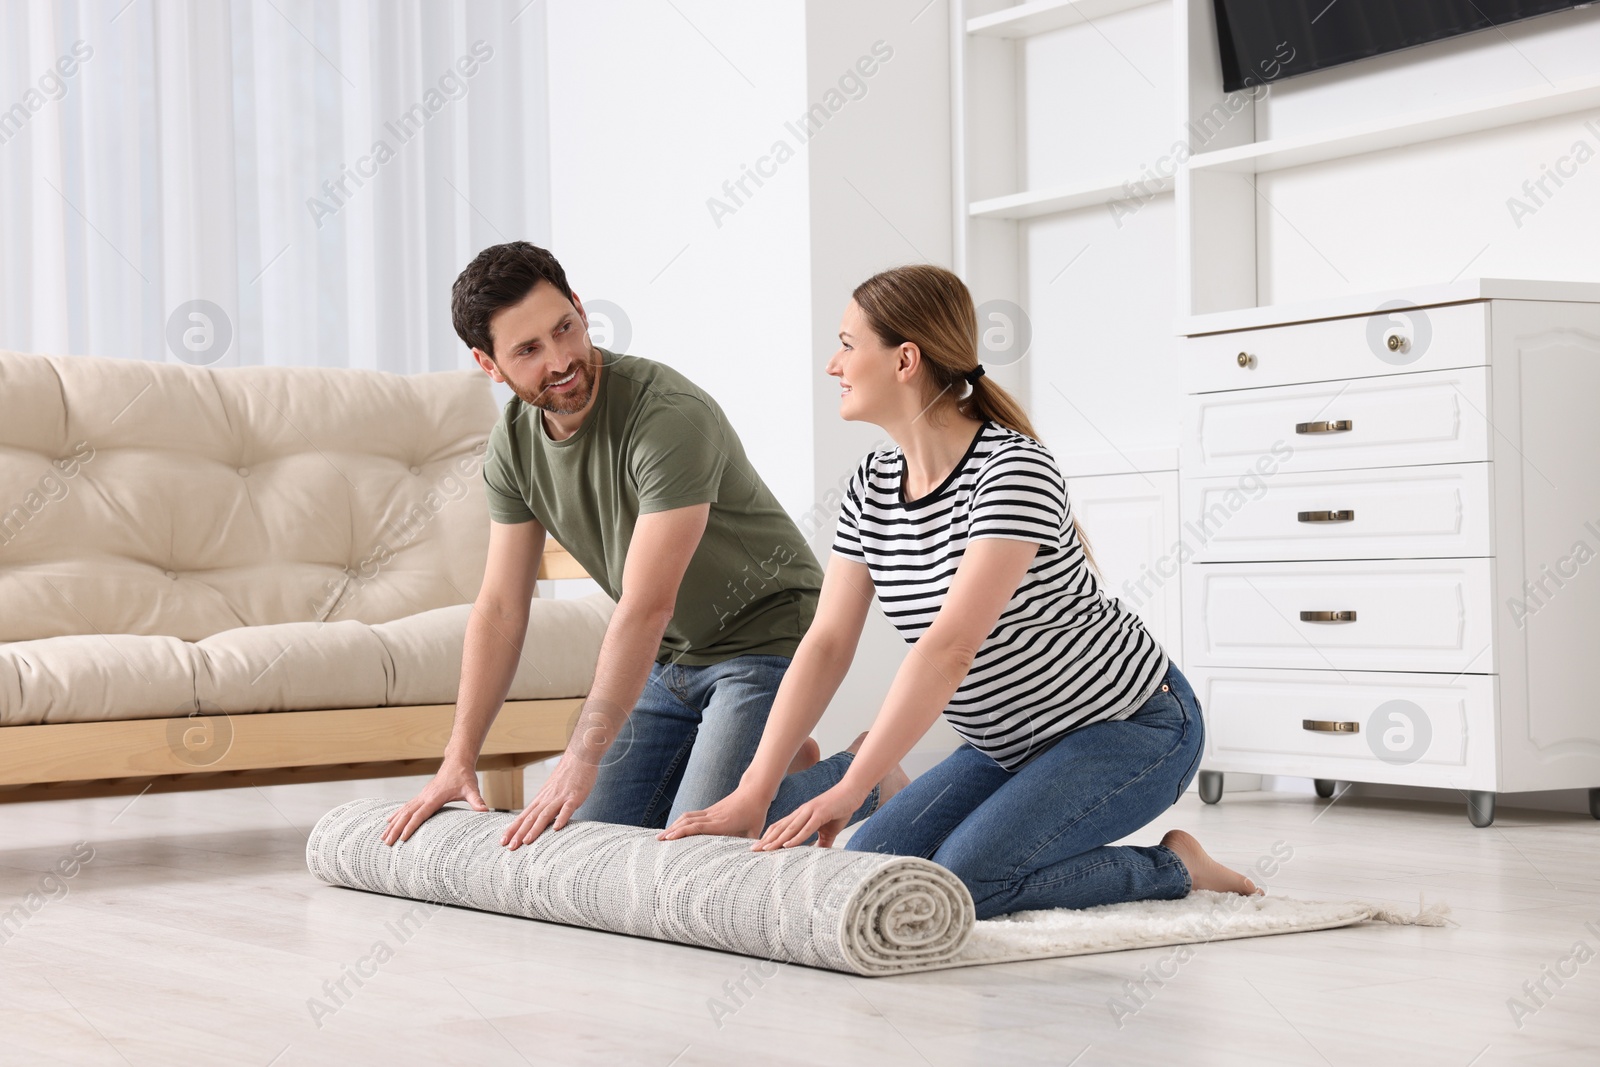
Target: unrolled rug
x,y
1200,917
856,912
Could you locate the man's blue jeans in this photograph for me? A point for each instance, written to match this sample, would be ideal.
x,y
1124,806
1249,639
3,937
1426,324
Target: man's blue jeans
x,y
688,741
1037,837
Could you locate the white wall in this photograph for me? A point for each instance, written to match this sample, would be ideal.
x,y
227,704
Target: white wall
x,y
744,296
652,108
880,196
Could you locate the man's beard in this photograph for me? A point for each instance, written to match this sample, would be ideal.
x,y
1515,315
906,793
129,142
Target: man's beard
x,y
568,403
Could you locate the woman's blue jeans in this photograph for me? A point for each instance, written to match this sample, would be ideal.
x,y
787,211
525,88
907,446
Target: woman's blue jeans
x,y
1037,837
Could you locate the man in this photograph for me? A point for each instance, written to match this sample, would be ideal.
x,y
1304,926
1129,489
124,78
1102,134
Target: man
x,y
636,471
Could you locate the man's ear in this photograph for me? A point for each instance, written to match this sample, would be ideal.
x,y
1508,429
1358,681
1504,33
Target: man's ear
x,y
488,365
582,314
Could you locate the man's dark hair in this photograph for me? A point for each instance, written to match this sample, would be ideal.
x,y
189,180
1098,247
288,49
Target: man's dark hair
x,y
499,277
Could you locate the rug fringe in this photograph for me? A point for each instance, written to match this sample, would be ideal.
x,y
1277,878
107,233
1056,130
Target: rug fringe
x,y
1435,914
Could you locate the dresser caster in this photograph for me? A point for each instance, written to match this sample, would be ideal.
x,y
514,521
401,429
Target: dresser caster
x,y
1324,787
1211,786
1480,807
1594,803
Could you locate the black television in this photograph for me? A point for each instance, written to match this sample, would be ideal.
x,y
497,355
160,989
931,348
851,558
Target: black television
x,y
1264,40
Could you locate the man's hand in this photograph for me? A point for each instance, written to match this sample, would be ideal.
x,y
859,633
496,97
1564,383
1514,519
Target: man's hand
x,y
568,787
454,781
493,640
739,814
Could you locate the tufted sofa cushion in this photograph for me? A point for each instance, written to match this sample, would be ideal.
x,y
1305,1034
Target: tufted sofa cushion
x,y
159,498
255,538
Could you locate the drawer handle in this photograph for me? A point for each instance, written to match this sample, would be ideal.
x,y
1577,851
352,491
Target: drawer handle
x,y
1246,360
1327,616
1327,516
1324,426
1325,726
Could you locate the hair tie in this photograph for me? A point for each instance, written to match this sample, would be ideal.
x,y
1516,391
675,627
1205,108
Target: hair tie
x,y
974,374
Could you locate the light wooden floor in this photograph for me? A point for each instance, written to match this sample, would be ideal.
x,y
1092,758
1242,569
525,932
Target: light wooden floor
x,y
195,935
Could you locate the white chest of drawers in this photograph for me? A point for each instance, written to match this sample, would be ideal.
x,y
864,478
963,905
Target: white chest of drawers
x,y
1392,524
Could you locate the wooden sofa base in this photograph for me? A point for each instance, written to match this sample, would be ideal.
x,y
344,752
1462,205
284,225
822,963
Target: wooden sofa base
x,y
134,756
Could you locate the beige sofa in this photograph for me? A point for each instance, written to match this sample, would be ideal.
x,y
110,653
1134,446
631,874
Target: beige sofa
x,y
219,577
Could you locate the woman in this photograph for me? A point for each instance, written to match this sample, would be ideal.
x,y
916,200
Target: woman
x,y
1077,730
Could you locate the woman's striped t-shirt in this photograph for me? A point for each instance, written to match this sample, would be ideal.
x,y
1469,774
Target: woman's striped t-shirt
x,y
1062,654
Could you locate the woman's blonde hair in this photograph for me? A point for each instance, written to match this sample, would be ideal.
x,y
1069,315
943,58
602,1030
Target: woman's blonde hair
x,y
931,308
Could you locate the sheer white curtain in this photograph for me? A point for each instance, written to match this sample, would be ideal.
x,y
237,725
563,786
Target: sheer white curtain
x,y
313,173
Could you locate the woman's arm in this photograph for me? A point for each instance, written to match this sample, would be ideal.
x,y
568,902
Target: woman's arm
x,y
813,677
990,572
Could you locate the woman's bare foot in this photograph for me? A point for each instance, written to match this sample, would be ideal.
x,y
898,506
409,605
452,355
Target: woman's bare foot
x,y
1205,872
892,782
809,755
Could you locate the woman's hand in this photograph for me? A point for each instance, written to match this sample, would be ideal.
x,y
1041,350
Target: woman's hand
x,y
823,815
739,814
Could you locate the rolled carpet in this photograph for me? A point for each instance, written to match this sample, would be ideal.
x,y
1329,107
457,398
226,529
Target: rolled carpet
x,y
860,913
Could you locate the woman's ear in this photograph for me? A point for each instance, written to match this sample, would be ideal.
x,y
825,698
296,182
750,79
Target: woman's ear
x,y
907,359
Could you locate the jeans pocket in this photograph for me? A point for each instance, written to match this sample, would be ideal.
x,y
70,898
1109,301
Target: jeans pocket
x,y
1164,703
1188,776
1199,749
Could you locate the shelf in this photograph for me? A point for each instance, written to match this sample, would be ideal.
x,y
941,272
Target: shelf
x,y
1042,16
1031,205
1338,307
1525,105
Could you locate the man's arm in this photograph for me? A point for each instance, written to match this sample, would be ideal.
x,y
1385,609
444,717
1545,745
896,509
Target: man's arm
x,y
659,552
495,633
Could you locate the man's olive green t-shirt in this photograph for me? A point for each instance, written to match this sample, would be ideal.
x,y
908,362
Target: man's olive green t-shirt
x,y
654,441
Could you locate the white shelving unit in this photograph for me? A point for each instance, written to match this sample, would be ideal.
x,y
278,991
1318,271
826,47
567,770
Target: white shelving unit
x,y
1461,291
1042,16
1032,205
1527,105
1217,200
989,39
1217,193
1286,369
1030,187
1364,614
1122,476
